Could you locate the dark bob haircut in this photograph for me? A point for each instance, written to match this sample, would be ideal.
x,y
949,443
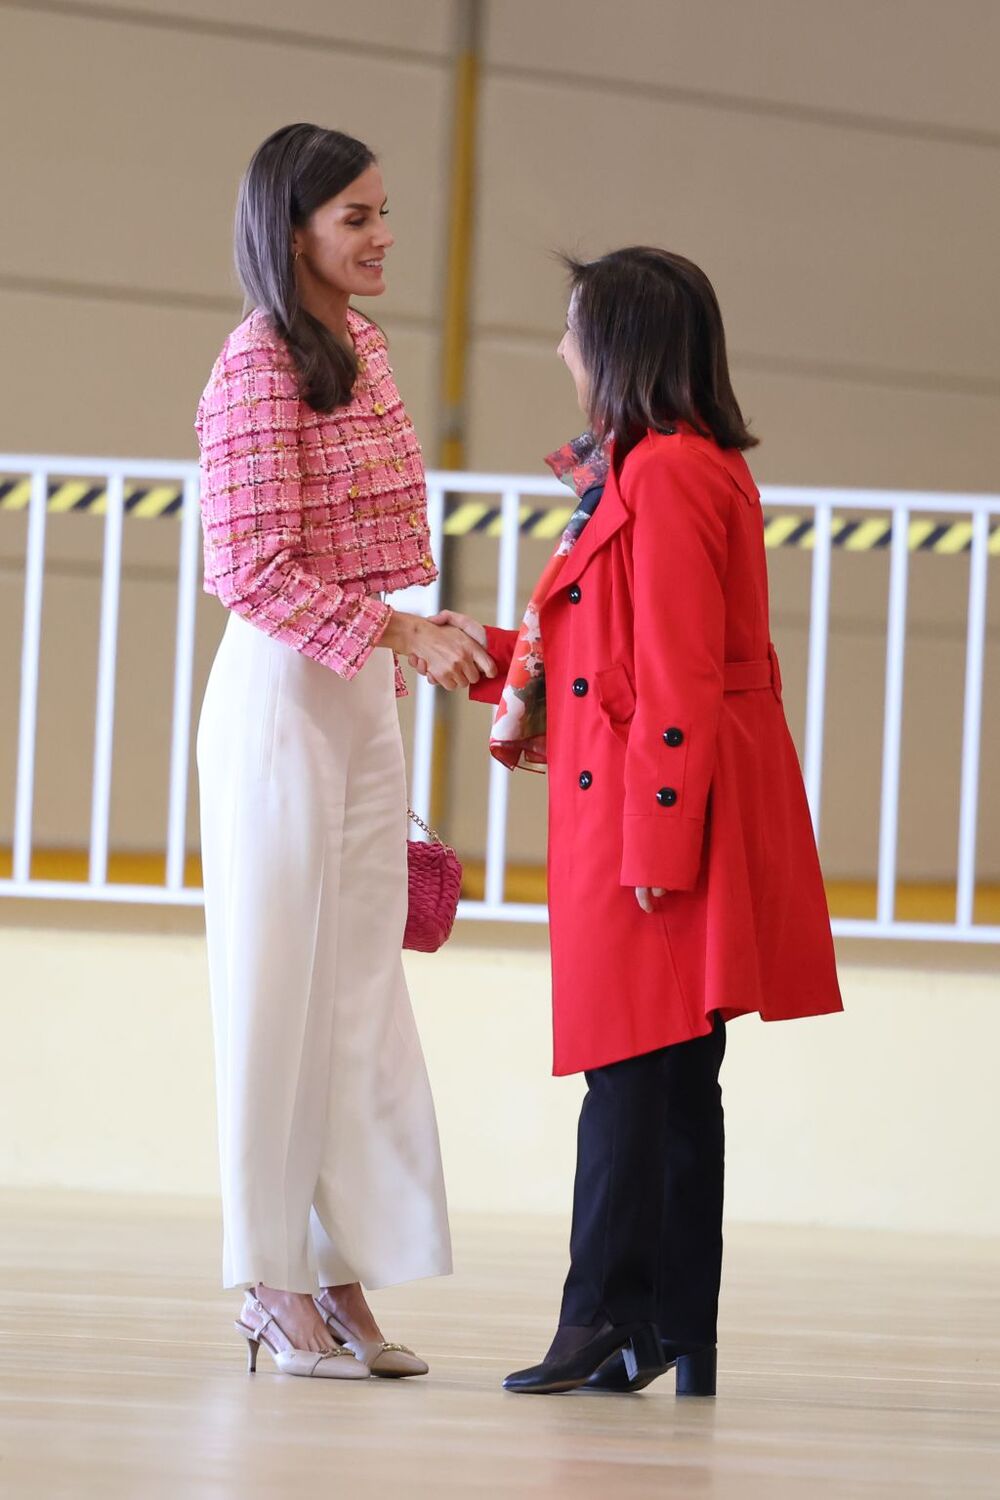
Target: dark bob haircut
x,y
651,339
292,174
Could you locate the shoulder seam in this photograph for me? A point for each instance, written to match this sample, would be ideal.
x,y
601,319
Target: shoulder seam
x,y
278,358
674,464
371,328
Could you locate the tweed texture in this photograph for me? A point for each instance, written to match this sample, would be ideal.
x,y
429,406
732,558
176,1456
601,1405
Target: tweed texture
x,y
309,516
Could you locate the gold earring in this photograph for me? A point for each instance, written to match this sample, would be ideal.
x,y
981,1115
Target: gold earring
x,y
296,256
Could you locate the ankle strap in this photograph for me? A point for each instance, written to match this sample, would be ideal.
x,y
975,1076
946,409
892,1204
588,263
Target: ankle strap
x,y
256,1306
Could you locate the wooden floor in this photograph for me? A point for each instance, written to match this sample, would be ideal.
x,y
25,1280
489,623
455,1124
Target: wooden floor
x,y
850,1365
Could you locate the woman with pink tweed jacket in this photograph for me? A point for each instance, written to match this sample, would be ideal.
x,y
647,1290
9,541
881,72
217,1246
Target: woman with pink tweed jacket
x,y
313,507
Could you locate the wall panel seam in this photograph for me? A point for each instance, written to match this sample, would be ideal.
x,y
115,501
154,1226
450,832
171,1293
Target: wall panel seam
x,y
242,31
96,291
742,104
533,340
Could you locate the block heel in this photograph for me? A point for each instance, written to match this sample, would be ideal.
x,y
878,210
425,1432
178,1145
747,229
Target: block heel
x,y
696,1373
643,1354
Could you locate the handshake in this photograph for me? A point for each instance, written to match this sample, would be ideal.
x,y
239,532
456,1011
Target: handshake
x,y
448,649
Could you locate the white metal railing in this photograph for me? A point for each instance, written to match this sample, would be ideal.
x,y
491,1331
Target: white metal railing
x,y
513,491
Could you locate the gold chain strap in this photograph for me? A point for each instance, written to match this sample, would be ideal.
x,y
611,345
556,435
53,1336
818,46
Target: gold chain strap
x,y
421,824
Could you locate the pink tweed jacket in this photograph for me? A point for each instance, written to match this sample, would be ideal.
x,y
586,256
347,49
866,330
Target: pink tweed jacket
x,y
309,516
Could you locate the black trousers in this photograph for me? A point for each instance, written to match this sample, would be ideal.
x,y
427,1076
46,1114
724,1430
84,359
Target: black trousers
x,y
646,1243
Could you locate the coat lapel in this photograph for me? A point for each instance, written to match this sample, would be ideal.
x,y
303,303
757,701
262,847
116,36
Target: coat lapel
x,y
608,519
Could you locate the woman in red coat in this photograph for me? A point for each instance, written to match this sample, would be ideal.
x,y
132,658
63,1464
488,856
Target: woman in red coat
x,y
684,884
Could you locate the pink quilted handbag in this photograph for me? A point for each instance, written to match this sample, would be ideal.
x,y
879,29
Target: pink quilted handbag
x,y
435,875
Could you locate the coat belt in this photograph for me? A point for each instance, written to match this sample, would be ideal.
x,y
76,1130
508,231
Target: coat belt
x,y
752,676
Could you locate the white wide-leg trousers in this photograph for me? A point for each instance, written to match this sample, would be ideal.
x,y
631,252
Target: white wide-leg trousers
x,y
331,1168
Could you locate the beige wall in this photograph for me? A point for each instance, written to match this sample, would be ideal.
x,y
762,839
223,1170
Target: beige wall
x,y
883,1117
832,167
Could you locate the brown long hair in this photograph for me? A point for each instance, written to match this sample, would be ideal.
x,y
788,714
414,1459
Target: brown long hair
x,y
294,172
652,343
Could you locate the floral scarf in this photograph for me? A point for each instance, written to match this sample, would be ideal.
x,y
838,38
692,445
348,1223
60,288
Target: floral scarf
x,y
518,734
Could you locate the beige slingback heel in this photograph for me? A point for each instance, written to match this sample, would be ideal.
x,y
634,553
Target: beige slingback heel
x,y
389,1361
258,1326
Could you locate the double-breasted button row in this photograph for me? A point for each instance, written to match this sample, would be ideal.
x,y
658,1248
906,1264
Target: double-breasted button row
x,y
581,687
666,796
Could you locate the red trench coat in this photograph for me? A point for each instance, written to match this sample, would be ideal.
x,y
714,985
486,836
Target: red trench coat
x,y
670,764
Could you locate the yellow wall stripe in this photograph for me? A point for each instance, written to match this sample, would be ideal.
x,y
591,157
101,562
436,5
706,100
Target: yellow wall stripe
x,y
553,523
68,496
808,540
849,533
155,501
18,496
868,535
779,528
957,538
465,517
927,901
495,528
920,531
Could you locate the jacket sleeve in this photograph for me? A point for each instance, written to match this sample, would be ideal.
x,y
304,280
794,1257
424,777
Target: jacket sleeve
x,y
679,562
252,514
500,644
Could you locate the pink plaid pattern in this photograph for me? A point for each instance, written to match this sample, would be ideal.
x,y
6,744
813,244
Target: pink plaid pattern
x,y
308,516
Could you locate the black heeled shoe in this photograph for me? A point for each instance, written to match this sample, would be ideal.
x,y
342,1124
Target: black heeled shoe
x,y
695,1365
636,1347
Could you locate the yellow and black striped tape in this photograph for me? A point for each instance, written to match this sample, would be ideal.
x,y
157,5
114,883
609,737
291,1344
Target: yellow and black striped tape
x,y
479,518
73,495
470,517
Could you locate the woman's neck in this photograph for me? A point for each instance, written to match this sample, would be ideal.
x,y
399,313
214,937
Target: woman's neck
x,y
328,305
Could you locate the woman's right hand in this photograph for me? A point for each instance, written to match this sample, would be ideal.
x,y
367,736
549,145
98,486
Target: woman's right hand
x,y
464,622
470,628
447,654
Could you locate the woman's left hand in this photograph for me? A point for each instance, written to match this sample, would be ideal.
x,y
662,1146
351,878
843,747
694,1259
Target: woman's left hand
x,y
644,894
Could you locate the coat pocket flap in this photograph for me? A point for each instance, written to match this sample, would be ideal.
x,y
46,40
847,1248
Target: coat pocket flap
x,y
615,693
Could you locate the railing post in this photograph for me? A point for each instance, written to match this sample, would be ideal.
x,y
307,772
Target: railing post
x,y
819,632
189,555
107,659
31,639
499,785
895,651
972,720
425,707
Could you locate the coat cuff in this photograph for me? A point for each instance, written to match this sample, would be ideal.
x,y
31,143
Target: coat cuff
x,y
500,645
351,644
661,851
402,691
